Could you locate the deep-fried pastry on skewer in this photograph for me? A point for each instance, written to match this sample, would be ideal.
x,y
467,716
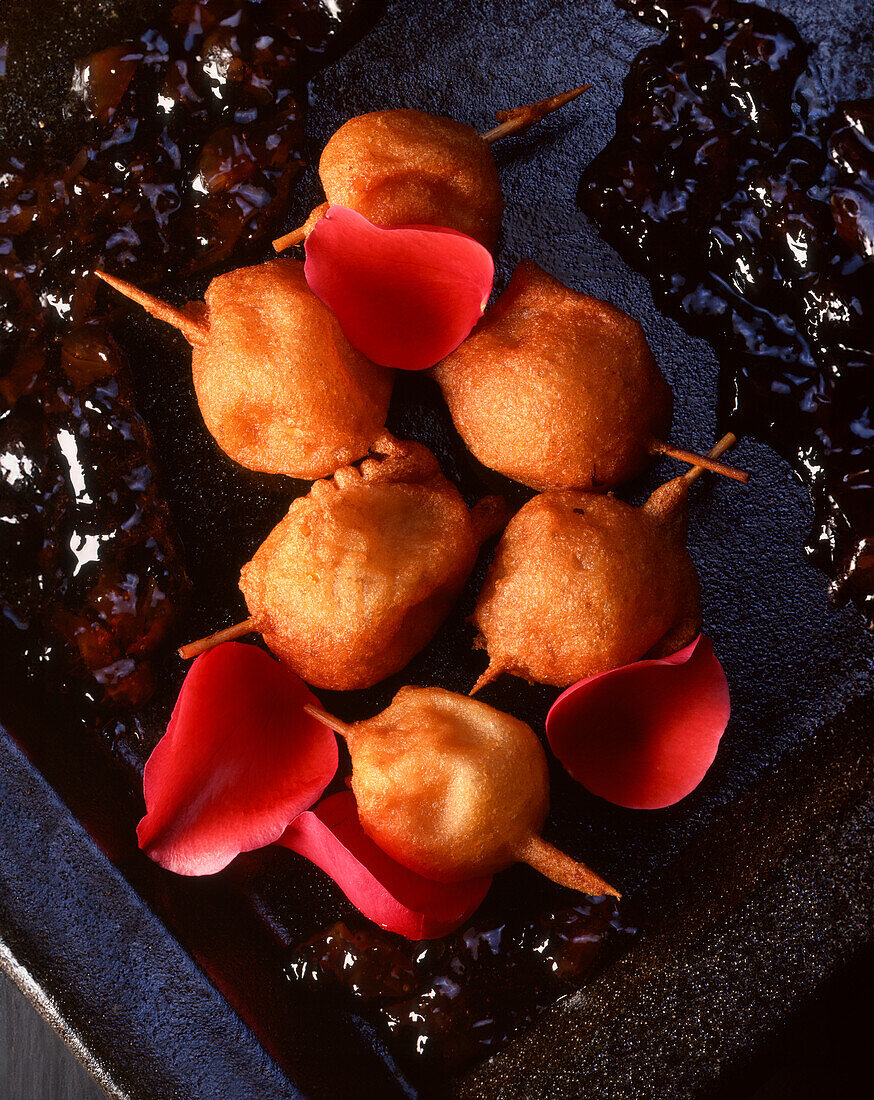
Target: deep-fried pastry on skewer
x,y
454,789
582,583
363,569
280,388
408,167
559,390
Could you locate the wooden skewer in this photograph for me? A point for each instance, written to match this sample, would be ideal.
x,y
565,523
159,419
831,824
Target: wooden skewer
x,y
195,332
516,120
728,440
297,236
328,720
671,499
492,672
700,462
229,634
558,866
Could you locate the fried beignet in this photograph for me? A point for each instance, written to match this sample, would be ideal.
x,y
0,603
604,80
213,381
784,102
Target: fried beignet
x,y
406,167
280,388
556,389
412,168
364,569
582,583
452,789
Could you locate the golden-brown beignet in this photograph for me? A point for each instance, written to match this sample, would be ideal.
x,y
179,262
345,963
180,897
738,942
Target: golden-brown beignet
x,y
556,389
364,569
280,387
447,785
582,583
454,789
409,167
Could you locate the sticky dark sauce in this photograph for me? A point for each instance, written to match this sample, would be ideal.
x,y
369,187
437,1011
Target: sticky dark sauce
x,y
749,204
172,151
92,577
443,1005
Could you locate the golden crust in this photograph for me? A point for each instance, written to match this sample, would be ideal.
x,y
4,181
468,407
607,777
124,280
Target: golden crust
x,y
411,168
364,569
448,786
556,389
280,387
582,583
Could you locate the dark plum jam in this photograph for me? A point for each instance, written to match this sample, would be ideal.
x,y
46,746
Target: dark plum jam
x,y
171,151
443,1005
91,574
749,204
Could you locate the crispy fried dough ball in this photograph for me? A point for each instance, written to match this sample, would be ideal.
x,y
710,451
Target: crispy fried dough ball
x,y
412,168
364,569
454,789
446,785
280,387
582,583
556,389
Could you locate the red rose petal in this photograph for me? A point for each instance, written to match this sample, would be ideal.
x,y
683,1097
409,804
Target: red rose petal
x,y
393,897
239,760
405,296
644,735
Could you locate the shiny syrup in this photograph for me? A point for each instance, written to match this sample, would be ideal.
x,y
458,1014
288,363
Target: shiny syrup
x,y
443,1005
749,204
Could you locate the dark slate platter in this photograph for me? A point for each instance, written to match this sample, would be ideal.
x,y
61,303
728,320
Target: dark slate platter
x,y
754,890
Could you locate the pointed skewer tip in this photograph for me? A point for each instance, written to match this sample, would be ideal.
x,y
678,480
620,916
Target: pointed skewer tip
x,y
516,120
194,331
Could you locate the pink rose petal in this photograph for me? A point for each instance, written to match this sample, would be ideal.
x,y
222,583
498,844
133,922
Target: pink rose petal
x,y
393,897
644,735
405,296
239,761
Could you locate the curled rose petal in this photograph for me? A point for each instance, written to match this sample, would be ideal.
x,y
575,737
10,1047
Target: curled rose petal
x,y
239,761
404,296
393,897
643,735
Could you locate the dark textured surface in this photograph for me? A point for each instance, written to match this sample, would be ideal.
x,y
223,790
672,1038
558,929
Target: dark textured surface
x,y
755,886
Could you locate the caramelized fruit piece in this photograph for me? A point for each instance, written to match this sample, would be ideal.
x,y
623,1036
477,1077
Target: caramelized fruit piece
x,y
454,789
280,388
